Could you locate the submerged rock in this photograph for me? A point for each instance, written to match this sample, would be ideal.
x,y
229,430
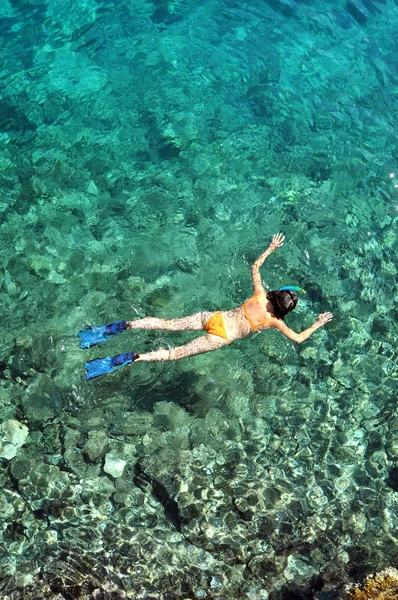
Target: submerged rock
x,y
14,436
101,486
96,445
380,586
137,423
114,465
8,451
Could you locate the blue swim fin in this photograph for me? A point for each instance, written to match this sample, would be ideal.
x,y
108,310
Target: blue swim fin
x,y
101,366
96,335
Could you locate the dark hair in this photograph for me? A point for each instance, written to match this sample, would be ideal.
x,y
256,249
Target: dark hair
x,y
282,302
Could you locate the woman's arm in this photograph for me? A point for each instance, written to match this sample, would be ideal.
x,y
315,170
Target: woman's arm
x,y
304,335
277,242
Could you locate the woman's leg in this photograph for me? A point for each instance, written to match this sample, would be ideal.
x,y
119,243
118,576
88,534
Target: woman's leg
x,y
194,322
200,345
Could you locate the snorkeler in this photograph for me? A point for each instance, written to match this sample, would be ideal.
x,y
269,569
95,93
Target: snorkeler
x,y
263,310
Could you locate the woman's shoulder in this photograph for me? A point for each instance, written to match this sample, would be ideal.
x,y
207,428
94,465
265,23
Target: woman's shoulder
x,y
278,323
256,297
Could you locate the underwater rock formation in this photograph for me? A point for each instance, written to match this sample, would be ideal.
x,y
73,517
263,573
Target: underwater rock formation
x,y
380,586
13,438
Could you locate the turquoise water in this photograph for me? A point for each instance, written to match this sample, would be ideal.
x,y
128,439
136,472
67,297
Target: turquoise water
x,y
149,150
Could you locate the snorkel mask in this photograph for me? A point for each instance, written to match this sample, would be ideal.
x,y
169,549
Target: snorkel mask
x,y
293,288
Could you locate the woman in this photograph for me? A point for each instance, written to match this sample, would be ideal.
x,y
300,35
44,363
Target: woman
x,y
263,310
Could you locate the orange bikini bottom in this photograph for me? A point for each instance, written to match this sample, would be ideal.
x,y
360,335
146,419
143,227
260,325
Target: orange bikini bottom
x,y
215,325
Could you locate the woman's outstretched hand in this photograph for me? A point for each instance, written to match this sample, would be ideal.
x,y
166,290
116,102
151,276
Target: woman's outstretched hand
x,y
277,241
324,318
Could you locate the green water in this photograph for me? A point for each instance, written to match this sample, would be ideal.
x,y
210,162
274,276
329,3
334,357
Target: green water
x,y
149,150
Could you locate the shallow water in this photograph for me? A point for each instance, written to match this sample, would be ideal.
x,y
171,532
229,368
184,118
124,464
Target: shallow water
x,y
149,150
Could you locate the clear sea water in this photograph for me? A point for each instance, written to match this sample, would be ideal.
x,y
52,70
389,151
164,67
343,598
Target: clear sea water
x,y
148,152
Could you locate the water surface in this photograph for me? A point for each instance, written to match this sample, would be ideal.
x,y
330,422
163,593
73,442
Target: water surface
x,y
149,152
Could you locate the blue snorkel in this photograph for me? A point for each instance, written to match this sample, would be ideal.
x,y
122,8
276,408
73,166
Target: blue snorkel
x,y
293,288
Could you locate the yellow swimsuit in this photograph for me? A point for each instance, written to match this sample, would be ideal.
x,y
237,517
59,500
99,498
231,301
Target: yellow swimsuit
x,y
215,325
252,325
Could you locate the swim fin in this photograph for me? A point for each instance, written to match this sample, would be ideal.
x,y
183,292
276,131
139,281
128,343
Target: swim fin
x,y
96,335
110,364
